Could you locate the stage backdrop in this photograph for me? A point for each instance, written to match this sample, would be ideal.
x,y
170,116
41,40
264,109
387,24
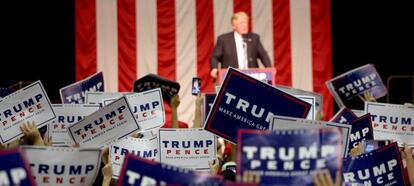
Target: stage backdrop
x,y
126,39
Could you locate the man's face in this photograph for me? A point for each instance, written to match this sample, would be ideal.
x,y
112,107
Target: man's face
x,y
241,25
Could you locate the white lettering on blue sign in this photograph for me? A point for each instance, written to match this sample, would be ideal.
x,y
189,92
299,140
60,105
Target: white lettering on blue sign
x,y
359,85
16,174
79,96
287,156
145,180
244,105
381,173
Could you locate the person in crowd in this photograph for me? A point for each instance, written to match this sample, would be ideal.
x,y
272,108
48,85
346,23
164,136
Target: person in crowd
x,y
175,123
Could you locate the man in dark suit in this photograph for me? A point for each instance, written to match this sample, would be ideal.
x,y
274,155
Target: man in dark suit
x,y
239,48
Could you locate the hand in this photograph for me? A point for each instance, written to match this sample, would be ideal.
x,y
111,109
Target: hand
x,y
199,100
368,97
356,151
137,135
175,101
105,155
214,166
407,155
213,72
47,140
249,178
324,178
31,133
107,174
197,113
319,116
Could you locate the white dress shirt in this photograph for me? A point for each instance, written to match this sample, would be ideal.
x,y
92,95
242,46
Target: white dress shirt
x,y
241,48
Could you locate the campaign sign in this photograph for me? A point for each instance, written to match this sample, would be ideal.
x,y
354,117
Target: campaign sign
x,y
75,93
244,102
358,113
311,100
148,108
99,97
112,122
380,167
344,115
5,92
14,169
355,82
27,104
138,171
63,165
361,130
168,87
392,121
299,92
144,148
187,148
289,157
67,115
281,122
208,100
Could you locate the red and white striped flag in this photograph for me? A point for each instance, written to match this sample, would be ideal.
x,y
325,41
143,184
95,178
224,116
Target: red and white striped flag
x,y
127,39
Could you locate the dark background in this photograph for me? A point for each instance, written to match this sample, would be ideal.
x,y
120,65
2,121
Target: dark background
x,y
38,42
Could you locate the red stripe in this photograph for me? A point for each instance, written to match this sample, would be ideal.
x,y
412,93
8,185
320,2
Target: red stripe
x,y
281,42
127,53
85,38
205,42
245,6
322,51
127,50
166,38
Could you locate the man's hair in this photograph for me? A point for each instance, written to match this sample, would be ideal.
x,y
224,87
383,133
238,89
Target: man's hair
x,y
239,15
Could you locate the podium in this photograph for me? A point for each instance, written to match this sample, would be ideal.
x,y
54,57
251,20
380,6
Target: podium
x,y
263,74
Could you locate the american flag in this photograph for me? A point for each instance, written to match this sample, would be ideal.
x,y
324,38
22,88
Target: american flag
x,y
127,39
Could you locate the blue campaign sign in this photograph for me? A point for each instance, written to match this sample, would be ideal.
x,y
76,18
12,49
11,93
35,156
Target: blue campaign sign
x,y
208,102
138,171
14,169
381,167
75,93
361,130
5,92
244,102
355,82
344,115
288,157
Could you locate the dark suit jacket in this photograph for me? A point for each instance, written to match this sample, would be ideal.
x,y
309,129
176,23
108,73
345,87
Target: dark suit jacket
x,y
226,53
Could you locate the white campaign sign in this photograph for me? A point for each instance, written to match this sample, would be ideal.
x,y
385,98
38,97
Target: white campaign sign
x,y
144,148
110,123
98,97
67,115
27,104
392,121
298,92
311,100
187,148
281,122
63,165
148,108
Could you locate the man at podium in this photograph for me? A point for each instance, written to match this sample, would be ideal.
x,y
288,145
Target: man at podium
x,y
240,48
